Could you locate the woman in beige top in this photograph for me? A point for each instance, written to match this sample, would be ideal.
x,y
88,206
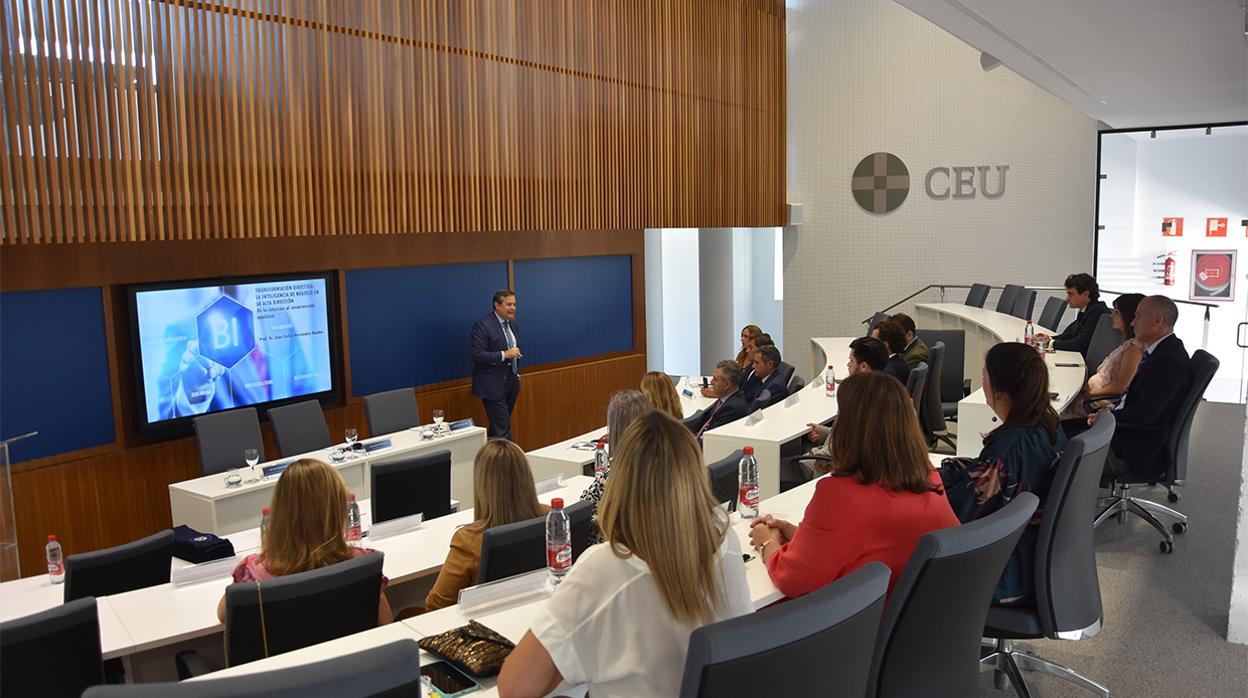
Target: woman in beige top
x,y
504,493
1118,369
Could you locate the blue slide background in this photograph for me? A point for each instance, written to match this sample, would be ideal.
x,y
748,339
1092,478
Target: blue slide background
x,y
572,307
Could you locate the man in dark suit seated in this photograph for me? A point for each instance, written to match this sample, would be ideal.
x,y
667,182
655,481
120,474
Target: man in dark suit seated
x,y
496,363
731,404
916,351
750,380
770,388
1083,295
893,335
1152,401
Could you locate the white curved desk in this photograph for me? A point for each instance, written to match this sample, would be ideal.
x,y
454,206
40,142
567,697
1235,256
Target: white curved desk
x,y
985,328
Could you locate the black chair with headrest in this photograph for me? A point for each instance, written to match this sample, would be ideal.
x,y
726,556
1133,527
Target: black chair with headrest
x,y
1068,593
52,653
521,547
693,421
796,383
1024,304
917,383
953,385
1105,339
724,479
978,295
142,563
785,370
876,319
929,643
391,411
1051,316
739,656
223,438
1009,293
931,409
412,483
299,428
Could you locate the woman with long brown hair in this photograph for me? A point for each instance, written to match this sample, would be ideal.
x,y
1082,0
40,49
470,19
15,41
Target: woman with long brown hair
x,y
881,496
503,493
620,620
661,393
306,530
748,334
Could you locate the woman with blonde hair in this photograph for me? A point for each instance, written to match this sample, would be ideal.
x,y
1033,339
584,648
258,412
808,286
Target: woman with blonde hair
x,y
503,493
620,620
661,393
306,530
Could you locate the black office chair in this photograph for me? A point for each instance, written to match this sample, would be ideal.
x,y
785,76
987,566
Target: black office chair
x,y
1122,475
917,383
223,437
978,295
876,319
953,385
391,411
413,483
52,653
929,637
1051,316
1024,304
1068,593
839,622
299,428
142,563
931,410
724,479
521,547
388,671
796,383
1005,303
1105,339
785,370
693,421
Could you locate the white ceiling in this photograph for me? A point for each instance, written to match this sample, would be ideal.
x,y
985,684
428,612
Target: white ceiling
x,y
1128,63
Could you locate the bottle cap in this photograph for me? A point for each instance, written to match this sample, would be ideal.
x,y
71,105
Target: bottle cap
x,y
748,450
351,497
556,503
602,444
265,511
51,539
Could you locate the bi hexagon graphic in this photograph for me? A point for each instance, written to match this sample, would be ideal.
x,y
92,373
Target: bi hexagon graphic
x,y
226,331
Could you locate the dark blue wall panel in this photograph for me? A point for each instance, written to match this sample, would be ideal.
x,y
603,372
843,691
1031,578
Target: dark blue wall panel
x,y
54,371
573,307
410,325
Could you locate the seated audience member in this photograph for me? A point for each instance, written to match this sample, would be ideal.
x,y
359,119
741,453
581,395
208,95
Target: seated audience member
x,y
1083,295
748,334
503,492
620,620
881,496
661,393
1115,373
731,404
307,530
1018,456
915,351
1152,401
893,336
865,354
771,387
625,407
750,379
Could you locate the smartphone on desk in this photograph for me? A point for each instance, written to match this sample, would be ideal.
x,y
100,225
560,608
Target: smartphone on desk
x,y
446,680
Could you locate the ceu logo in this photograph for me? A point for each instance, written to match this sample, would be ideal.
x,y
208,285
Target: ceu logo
x,y
881,183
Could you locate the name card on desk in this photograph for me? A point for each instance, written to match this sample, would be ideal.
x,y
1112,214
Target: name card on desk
x,y
793,399
462,424
203,572
276,468
754,418
687,393
394,527
550,484
377,445
521,588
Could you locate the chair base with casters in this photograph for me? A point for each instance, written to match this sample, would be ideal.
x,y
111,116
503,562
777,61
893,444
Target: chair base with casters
x,y
1010,660
1120,503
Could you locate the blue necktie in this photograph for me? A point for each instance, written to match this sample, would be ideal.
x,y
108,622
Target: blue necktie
x,y
511,342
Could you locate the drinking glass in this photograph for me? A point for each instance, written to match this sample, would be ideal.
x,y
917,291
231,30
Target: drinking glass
x,y
352,435
252,457
438,416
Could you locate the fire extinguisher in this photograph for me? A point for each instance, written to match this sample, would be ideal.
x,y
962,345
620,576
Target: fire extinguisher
x,y
1168,277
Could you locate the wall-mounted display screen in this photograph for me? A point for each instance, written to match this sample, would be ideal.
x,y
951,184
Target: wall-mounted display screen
x,y
207,346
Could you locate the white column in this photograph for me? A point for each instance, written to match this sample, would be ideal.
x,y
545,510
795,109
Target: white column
x,y
1237,626
715,291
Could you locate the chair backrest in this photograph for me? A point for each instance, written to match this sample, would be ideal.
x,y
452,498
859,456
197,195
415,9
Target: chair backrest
x,y
389,671
299,428
391,411
954,366
1068,593
917,383
520,547
52,653
931,409
978,295
724,480
142,563
1204,365
796,383
740,656
932,626
1051,317
410,484
693,421
301,609
1005,303
224,436
1105,339
876,319
785,370
1024,304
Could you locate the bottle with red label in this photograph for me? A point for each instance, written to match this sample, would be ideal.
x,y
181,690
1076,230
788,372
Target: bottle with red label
x,y
1029,334
601,462
355,527
264,523
56,561
747,480
829,381
558,542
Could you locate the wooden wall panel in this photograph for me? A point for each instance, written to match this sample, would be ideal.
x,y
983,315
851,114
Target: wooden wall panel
x,y
221,119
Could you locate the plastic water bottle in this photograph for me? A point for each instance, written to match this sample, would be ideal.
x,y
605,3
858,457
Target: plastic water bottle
x,y
1029,335
829,382
355,528
601,463
558,542
747,481
264,523
56,561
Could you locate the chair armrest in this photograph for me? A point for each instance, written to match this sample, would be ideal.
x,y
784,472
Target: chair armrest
x,y
192,663
816,456
966,387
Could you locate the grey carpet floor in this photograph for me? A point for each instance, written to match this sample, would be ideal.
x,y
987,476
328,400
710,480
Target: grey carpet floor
x,y
1165,615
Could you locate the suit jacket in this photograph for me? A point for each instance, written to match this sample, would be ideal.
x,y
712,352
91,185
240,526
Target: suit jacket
x,y
770,391
915,354
735,407
489,370
751,385
1150,408
1078,334
897,368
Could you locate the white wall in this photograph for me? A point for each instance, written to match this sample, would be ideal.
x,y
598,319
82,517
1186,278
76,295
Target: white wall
x,y
673,315
869,75
1237,626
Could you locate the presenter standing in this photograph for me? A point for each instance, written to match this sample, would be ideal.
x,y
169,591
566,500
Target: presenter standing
x,y
496,363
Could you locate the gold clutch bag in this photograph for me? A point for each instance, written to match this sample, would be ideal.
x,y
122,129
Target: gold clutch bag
x,y
473,648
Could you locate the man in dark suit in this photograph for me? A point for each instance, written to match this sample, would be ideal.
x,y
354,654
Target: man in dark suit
x,y
1082,294
916,351
1152,401
893,335
496,363
731,404
750,380
770,386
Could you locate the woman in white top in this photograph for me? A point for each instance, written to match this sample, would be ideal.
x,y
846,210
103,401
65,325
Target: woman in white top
x,y
1115,373
621,619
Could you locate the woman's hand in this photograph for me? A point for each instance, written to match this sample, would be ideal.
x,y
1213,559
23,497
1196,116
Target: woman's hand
x,y
781,527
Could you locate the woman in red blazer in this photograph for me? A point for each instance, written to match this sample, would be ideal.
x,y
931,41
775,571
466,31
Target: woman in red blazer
x,y
880,497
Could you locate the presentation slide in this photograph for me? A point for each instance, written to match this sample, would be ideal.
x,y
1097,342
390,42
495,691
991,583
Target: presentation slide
x,y
210,348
